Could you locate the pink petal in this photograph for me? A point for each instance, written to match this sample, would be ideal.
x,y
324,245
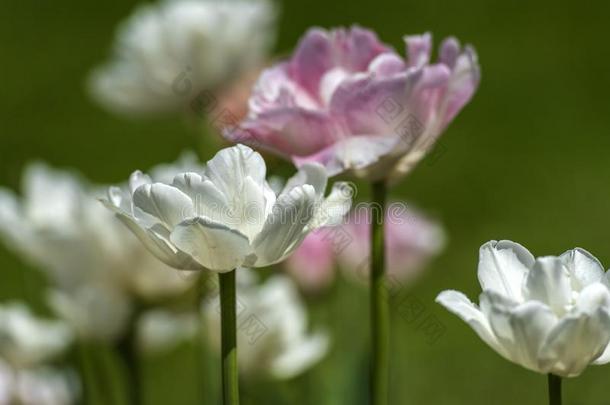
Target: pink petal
x,y
287,131
352,153
362,104
358,47
313,57
418,49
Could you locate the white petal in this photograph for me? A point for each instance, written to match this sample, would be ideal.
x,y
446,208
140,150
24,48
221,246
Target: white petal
x,y
284,228
549,282
300,356
593,297
583,266
313,174
138,179
531,323
576,341
166,204
460,305
229,168
332,210
208,200
503,266
252,211
215,246
497,309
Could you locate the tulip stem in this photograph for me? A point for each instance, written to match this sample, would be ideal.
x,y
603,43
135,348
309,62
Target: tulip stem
x,y
379,311
554,389
228,316
127,350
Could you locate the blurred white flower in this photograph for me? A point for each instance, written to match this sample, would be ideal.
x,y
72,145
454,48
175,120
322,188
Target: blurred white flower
x,y
226,215
272,335
60,226
161,330
166,53
550,315
95,311
26,340
37,386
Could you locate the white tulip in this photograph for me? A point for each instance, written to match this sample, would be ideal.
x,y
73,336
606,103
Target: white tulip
x,y
550,315
272,335
26,340
161,330
36,386
227,216
166,53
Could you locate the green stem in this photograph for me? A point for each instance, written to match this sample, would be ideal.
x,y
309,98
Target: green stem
x,y
228,320
379,296
554,389
126,347
86,372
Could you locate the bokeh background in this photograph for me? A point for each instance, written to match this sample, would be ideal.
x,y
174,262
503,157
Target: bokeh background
x,y
526,160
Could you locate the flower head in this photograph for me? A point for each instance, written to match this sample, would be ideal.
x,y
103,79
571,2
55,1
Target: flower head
x,y
411,240
352,104
273,333
26,340
165,54
550,314
226,215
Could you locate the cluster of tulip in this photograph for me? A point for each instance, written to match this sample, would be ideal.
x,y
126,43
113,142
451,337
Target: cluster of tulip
x,y
343,104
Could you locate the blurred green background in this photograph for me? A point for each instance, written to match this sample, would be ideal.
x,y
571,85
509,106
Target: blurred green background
x,y
527,160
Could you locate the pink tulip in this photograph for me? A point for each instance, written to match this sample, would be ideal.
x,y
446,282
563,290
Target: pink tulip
x,y
353,104
411,240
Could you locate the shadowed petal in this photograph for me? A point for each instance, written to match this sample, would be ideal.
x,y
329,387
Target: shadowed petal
x,y
213,245
284,228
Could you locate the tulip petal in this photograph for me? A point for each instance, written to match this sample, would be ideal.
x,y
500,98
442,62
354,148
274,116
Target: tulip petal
x,y
156,240
332,209
449,51
353,153
520,329
418,49
576,341
288,131
215,246
593,297
503,266
164,203
465,78
357,47
284,228
313,57
460,305
583,266
531,323
229,167
207,199
549,282
138,179
313,174
387,65
371,105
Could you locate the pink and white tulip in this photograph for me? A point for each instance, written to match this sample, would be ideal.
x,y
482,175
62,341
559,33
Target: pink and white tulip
x,y
353,104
